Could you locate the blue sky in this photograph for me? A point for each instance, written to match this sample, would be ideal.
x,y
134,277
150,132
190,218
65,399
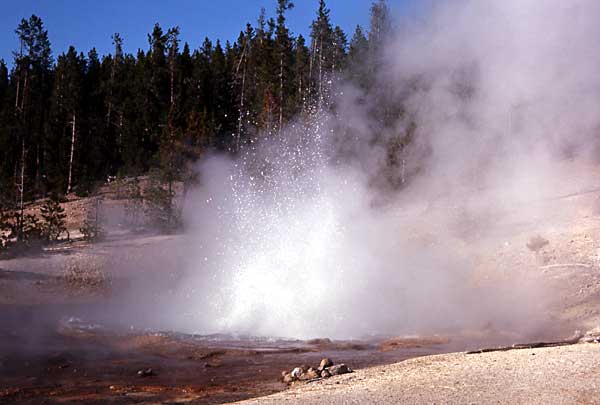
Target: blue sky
x,y
90,23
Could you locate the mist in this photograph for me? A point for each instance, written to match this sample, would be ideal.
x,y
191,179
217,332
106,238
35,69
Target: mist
x,y
296,236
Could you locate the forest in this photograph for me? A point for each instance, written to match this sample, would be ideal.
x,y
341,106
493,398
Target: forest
x,y
70,122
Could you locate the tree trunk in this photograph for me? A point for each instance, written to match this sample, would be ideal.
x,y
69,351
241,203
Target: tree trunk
x,y
38,170
300,89
172,82
110,91
171,153
311,61
120,137
17,95
22,191
403,179
241,119
20,69
24,92
108,114
280,93
70,178
320,71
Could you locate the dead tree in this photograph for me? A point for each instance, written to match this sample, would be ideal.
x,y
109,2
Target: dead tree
x,y
21,189
242,93
280,92
70,176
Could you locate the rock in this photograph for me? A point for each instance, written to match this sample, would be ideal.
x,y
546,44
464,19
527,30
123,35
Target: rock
x,y
311,373
283,373
304,368
322,341
325,373
339,369
288,378
297,372
147,372
537,243
591,336
326,362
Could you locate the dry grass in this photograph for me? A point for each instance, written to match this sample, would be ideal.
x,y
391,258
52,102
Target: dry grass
x,y
412,342
87,277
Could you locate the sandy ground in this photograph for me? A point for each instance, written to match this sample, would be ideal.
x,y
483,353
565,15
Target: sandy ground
x,y
558,375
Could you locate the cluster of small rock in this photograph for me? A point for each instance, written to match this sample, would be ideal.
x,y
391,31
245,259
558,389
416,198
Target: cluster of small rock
x,y
591,336
326,369
146,372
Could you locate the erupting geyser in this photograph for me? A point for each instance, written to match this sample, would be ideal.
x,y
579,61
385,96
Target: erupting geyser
x,y
286,242
294,238
277,228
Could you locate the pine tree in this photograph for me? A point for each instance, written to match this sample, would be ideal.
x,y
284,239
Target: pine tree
x,y
321,60
224,102
116,62
3,83
242,75
381,28
6,143
32,72
90,159
171,164
203,75
185,84
156,93
266,75
201,124
135,203
61,135
284,51
53,220
133,154
161,210
387,109
197,132
5,225
359,48
92,227
302,76
339,49
114,84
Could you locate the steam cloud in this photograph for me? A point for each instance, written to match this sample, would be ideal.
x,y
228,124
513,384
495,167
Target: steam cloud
x,y
302,244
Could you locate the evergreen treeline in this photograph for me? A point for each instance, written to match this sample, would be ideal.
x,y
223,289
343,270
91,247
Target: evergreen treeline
x,y
69,123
